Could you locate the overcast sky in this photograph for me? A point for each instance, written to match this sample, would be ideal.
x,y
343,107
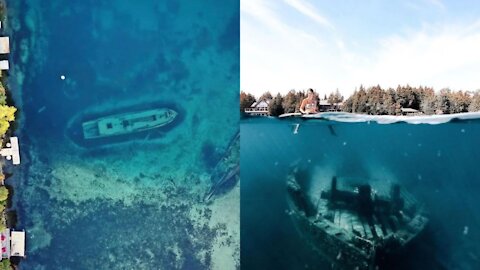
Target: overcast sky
x,y
297,44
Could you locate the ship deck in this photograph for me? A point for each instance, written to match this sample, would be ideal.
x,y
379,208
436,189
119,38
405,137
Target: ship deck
x,y
380,225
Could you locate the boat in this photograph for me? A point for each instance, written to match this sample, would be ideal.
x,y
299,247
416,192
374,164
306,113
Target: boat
x,y
355,223
127,123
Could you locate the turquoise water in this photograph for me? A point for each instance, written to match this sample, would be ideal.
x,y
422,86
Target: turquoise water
x,y
134,202
436,163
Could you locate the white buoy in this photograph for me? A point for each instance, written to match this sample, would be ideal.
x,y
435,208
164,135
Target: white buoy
x,y
62,77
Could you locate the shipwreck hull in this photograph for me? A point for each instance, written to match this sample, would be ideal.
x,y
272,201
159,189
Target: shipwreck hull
x,y
75,132
348,240
340,254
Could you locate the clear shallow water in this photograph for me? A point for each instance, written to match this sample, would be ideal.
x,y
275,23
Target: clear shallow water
x,y
134,203
437,163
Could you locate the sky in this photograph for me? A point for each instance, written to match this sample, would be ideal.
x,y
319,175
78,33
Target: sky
x,y
328,45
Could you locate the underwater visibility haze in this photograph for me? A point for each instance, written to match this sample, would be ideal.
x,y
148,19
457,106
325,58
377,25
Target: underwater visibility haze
x,y
436,160
137,201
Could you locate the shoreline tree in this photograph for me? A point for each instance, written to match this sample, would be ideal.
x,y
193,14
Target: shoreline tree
x,y
275,107
246,100
378,101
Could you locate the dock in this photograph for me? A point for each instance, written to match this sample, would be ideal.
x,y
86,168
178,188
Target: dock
x,y
11,151
13,243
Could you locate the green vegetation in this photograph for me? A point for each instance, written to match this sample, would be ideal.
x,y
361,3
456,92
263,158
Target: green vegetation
x,y
3,205
276,106
5,264
3,193
245,101
378,101
7,115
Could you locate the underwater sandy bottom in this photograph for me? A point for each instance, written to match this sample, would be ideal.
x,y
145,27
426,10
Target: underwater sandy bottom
x,y
134,205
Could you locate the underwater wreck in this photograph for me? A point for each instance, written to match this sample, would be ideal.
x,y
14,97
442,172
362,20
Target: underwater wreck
x,y
101,126
355,224
226,173
126,123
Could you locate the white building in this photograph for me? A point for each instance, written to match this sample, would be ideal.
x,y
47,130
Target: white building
x,y
4,45
410,111
259,108
325,106
12,243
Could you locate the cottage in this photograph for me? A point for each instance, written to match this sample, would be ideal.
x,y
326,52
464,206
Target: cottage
x,y
4,45
410,111
13,243
259,108
325,106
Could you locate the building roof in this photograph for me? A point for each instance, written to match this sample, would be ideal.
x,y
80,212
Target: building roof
x,y
18,243
263,102
324,102
409,110
4,45
4,65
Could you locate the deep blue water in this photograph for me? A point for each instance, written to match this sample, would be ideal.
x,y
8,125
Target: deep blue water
x,y
436,163
126,204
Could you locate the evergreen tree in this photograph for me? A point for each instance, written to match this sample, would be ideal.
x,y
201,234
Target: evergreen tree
x,y
335,97
266,96
360,101
460,101
375,101
275,107
348,104
389,101
290,103
443,101
246,100
428,105
475,103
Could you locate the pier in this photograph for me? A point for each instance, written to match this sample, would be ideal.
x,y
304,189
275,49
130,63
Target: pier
x,y
11,151
13,243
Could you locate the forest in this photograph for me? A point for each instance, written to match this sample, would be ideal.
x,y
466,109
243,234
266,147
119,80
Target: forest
x,y
376,100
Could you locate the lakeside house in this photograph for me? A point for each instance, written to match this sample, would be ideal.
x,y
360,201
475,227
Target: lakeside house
x,y
4,51
410,111
325,106
259,108
13,243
